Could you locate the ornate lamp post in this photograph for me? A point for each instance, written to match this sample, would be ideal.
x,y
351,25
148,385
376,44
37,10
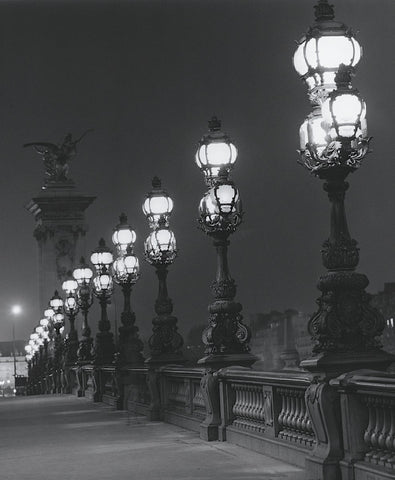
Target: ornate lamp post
x,y
104,346
160,251
70,286
333,143
126,272
220,213
83,274
56,304
226,337
44,324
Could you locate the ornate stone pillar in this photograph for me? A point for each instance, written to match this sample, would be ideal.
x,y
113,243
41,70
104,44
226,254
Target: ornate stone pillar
x,y
59,213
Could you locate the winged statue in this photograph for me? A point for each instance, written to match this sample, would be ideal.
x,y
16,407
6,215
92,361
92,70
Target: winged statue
x,y
57,157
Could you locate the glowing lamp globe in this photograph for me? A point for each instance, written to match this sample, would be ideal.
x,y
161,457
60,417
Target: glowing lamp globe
x,y
58,318
215,151
126,268
70,304
345,113
160,246
103,283
102,256
83,274
158,204
49,313
70,285
313,132
44,322
123,234
326,46
56,302
221,207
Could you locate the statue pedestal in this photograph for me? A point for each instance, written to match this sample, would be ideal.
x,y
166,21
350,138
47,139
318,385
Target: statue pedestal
x,y
59,213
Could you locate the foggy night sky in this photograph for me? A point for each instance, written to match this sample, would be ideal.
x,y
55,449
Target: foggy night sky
x,y
147,75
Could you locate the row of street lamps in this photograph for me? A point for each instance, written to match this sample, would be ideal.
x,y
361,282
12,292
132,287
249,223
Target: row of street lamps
x,y
333,142
220,213
81,285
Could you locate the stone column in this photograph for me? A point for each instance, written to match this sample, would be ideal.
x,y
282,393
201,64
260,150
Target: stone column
x,y
59,213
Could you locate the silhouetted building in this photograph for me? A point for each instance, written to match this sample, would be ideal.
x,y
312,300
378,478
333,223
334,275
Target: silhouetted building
x,y
7,381
385,302
272,337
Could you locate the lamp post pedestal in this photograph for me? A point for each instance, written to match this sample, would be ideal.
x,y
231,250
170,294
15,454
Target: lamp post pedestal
x,y
226,338
71,343
104,345
130,345
57,360
165,342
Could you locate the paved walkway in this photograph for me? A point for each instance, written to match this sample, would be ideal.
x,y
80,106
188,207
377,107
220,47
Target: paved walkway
x,y
69,438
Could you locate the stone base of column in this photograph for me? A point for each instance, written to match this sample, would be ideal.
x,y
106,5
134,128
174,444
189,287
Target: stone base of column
x,y
315,469
217,361
290,359
209,428
165,359
332,364
323,405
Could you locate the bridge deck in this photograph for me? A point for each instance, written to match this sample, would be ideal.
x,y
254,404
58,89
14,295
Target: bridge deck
x,y
64,437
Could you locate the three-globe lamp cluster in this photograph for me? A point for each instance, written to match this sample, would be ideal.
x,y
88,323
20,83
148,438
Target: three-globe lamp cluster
x,y
335,132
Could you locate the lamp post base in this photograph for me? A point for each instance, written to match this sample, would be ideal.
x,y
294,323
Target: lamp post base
x,y
217,361
323,404
210,388
332,364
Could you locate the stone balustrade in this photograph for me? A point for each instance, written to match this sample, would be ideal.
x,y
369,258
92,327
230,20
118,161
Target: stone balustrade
x,y
294,421
368,419
181,397
262,411
266,412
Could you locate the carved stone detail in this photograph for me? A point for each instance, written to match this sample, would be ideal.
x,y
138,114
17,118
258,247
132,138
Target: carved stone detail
x,y
210,393
345,321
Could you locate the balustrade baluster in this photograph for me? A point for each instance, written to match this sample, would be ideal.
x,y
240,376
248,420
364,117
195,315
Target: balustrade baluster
x,y
370,428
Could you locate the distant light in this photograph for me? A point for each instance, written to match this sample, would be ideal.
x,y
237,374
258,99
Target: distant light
x,y
16,309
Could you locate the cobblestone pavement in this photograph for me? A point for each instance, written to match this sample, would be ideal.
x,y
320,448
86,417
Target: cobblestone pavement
x,y
69,438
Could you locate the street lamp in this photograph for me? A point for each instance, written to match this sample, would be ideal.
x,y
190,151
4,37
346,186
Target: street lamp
x,y
70,306
220,213
333,144
126,272
83,275
160,251
102,284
